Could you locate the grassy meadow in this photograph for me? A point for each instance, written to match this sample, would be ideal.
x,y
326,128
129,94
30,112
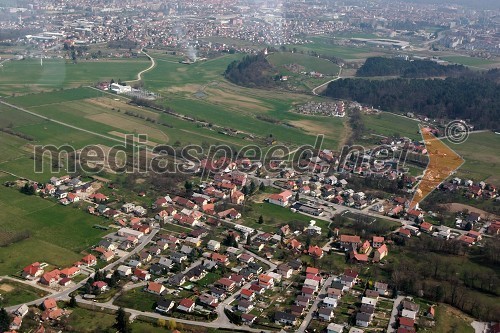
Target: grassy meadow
x,y
58,234
309,63
481,152
388,124
23,76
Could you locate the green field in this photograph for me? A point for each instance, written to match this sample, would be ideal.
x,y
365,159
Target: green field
x,y
23,76
57,234
471,61
13,293
325,47
449,319
137,299
275,217
310,63
481,152
388,124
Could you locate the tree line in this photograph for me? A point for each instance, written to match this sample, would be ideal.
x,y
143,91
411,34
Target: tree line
x,y
380,66
475,98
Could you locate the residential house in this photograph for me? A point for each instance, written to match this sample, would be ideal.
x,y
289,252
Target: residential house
x,y
335,328
32,271
266,281
167,263
220,258
350,241
330,302
49,304
226,284
325,314
244,306
213,245
89,260
377,242
281,199
297,310
406,323
124,270
164,305
285,271
100,286
220,294
186,305
380,253
381,288
302,300
178,257
284,318
155,288
315,251
363,319
248,318
426,227
177,279
209,300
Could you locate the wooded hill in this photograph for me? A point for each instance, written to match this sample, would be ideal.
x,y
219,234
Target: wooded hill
x,y
379,66
251,71
474,97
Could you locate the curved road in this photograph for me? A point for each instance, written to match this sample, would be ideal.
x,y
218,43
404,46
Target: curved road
x,y
326,83
153,65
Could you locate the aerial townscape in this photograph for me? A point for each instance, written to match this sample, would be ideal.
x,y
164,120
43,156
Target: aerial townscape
x,y
250,166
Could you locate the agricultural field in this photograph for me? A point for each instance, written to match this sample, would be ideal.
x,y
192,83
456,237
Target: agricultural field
x,y
472,62
48,225
324,46
388,124
199,90
23,76
12,293
481,152
449,319
309,63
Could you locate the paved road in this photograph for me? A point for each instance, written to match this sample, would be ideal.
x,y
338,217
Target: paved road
x,y
153,65
326,83
135,313
314,306
394,313
341,208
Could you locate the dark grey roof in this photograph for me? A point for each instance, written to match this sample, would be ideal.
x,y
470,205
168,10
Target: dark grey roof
x,y
279,315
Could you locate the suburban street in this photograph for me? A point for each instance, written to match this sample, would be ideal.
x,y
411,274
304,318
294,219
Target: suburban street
x,y
314,306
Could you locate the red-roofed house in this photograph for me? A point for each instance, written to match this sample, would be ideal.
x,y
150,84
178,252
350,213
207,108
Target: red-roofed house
x,y
406,323
312,270
348,241
220,258
100,286
295,244
315,251
280,199
186,305
426,227
32,271
155,288
70,272
89,260
49,304
380,253
247,294
266,281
